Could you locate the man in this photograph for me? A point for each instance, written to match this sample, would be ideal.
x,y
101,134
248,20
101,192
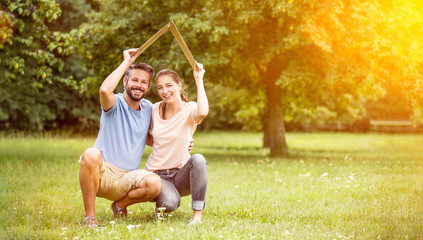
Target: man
x,y
110,168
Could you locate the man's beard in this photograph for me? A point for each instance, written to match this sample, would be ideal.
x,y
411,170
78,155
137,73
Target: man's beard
x,y
131,95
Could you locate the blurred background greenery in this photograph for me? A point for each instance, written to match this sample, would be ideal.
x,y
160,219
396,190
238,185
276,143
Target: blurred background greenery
x,y
272,65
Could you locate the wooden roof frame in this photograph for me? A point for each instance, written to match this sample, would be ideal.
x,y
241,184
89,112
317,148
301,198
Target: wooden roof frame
x,y
178,38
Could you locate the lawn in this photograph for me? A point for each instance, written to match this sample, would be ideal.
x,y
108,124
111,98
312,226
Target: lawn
x,y
333,186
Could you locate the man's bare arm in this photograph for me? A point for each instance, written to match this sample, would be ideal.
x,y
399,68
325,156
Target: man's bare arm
x,y
107,98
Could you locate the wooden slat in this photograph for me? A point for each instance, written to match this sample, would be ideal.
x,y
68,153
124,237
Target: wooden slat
x,y
178,38
151,40
182,44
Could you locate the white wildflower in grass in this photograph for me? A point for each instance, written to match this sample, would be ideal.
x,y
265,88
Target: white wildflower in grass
x,y
130,227
305,175
236,186
76,238
160,214
159,217
130,212
112,222
64,228
171,229
325,174
100,229
63,233
138,225
287,232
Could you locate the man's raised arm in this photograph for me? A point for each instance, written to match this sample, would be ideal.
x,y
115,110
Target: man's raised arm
x,y
107,98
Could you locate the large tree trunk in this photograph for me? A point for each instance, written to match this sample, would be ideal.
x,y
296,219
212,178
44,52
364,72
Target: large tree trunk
x,y
274,126
266,135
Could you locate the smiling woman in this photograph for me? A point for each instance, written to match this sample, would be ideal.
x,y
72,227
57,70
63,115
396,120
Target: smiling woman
x,y
174,121
168,83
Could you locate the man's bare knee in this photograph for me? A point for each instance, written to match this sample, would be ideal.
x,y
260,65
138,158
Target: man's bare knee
x,y
152,183
91,158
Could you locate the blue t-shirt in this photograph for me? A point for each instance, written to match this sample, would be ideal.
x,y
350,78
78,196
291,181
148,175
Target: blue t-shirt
x,y
123,133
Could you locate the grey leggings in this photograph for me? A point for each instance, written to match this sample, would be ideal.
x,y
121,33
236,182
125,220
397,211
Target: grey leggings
x,y
176,183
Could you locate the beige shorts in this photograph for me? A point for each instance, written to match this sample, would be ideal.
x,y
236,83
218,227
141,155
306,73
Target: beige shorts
x,y
115,183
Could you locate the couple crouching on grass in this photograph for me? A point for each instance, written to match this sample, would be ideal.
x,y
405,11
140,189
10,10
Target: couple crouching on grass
x,y
128,122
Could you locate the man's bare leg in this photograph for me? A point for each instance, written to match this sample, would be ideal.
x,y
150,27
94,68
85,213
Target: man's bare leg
x,y
89,181
147,190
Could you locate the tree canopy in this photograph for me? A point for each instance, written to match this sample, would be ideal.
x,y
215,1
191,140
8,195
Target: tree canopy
x,y
37,89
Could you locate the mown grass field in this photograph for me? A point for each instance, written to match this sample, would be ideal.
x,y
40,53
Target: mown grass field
x,y
333,186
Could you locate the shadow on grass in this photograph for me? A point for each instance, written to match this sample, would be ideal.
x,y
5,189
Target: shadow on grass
x,y
253,154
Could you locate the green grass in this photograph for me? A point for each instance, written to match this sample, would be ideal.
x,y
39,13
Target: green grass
x,y
334,186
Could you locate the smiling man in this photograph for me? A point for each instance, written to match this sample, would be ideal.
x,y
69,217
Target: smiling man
x,y
110,168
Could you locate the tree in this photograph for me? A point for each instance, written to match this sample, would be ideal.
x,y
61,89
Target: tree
x,y
37,90
309,56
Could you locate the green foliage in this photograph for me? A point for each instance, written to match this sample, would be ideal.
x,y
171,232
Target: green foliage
x,y
108,32
37,90
229,111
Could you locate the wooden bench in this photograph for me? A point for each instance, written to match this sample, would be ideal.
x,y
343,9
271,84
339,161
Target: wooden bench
x,y
393,126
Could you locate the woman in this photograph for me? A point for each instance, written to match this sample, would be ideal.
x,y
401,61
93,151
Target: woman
x,y
174,121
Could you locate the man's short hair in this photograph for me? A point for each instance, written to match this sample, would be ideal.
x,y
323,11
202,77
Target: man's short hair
x,y
141,66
